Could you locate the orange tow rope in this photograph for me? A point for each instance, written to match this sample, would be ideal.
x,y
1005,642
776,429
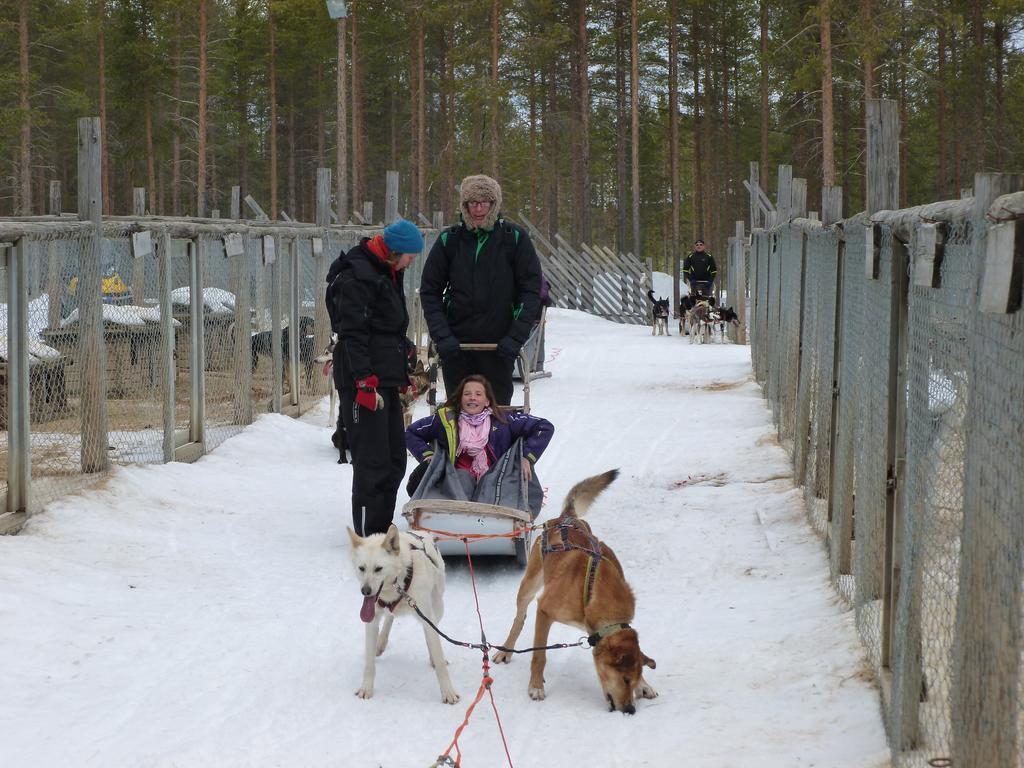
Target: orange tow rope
x,y
485,684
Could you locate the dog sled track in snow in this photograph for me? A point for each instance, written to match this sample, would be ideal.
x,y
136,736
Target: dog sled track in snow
x,y
720,386
715,480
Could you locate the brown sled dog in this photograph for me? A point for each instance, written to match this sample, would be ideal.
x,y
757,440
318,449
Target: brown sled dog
x,y
584,587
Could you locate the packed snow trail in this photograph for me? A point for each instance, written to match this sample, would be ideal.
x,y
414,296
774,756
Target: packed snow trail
x,y
207,615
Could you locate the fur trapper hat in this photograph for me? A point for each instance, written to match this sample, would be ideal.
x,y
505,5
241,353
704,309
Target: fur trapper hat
x,y
480,187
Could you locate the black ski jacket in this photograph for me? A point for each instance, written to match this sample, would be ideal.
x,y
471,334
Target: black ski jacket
x,y
700,267
366,302
481,286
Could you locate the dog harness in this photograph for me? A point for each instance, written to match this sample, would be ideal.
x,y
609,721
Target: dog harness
x,y
405,588
568,533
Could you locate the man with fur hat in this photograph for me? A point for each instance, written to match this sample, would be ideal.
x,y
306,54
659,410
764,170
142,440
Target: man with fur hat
x,y
481,285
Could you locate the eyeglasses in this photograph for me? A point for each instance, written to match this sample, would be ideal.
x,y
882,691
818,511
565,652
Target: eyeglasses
x,y
477,203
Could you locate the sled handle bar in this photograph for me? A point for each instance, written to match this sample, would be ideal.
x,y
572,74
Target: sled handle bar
x,y
523,362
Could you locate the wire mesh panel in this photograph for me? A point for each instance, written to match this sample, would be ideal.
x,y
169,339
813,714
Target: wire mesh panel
x,y
851,406
807,382
938,386
780,241
789,330
55,384
872,435
764,244
260,332
987,711
313,324
827,245
181,297
219,360
132,336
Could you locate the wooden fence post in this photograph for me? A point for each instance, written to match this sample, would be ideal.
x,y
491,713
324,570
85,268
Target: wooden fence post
x,y
322,322
55,267
739,302
831,205
92,352
139,263
390,197
167,363
784,197
798,207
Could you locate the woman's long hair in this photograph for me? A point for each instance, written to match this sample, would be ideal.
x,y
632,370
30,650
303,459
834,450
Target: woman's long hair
x,y
454,400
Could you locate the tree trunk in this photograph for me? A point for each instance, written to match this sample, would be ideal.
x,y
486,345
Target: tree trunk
x,y
341,158
201,128
902,74
673,129
999,41
583,188
979,83
698,130
101,67
414,112
942,183
533,144
420,108
621,238
495,14
273,114
764,94
358,185
451,206
292,144
150,159
551,150
176,141
634,101
25,149
828,163
868,11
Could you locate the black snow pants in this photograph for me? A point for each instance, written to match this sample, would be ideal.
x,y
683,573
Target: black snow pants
x,y
376,440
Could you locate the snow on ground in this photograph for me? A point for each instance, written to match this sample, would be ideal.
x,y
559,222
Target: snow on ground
x,y
207,615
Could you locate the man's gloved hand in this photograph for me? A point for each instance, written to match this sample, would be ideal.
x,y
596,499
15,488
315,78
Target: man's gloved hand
x,y
367,395
448,347
509,348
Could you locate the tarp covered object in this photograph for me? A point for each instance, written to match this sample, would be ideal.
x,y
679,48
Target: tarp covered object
x,y
502,484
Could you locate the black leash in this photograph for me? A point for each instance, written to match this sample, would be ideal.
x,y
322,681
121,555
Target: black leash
x,y
583,642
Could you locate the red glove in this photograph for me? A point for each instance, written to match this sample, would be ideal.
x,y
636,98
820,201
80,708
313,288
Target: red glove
x,y
367,395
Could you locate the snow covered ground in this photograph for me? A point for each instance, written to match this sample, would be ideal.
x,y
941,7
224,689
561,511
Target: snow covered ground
x,y
206,614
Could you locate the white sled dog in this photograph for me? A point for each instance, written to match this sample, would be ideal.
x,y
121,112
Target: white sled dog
x,y
384,562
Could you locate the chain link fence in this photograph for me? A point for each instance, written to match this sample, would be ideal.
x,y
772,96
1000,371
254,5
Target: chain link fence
x,y
200,328
900,400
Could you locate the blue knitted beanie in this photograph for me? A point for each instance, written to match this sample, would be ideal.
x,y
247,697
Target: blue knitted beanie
x,y
402,236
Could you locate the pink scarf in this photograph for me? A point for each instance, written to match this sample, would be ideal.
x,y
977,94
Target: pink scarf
x,y
474,431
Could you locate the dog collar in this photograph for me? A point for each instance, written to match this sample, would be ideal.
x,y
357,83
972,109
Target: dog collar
x,y
603,632
404,588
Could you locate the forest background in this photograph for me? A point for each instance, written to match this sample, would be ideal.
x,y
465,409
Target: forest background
x,y
628,123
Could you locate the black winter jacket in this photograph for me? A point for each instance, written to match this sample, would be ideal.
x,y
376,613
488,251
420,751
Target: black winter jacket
x,y
367,308
481,287
700,267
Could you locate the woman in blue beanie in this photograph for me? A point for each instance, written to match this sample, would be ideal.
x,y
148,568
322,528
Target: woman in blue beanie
x,y
366,302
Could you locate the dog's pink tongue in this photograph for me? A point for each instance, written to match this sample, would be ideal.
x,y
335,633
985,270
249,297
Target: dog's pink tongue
x,y
366,613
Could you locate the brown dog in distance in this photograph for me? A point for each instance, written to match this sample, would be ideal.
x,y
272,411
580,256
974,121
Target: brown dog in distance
x,y
584,587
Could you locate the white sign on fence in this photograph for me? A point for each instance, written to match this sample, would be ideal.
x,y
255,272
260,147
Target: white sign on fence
x,y
269,251
142,244
233,245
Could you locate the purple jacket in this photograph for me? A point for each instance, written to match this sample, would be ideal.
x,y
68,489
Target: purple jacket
x,y
443,428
